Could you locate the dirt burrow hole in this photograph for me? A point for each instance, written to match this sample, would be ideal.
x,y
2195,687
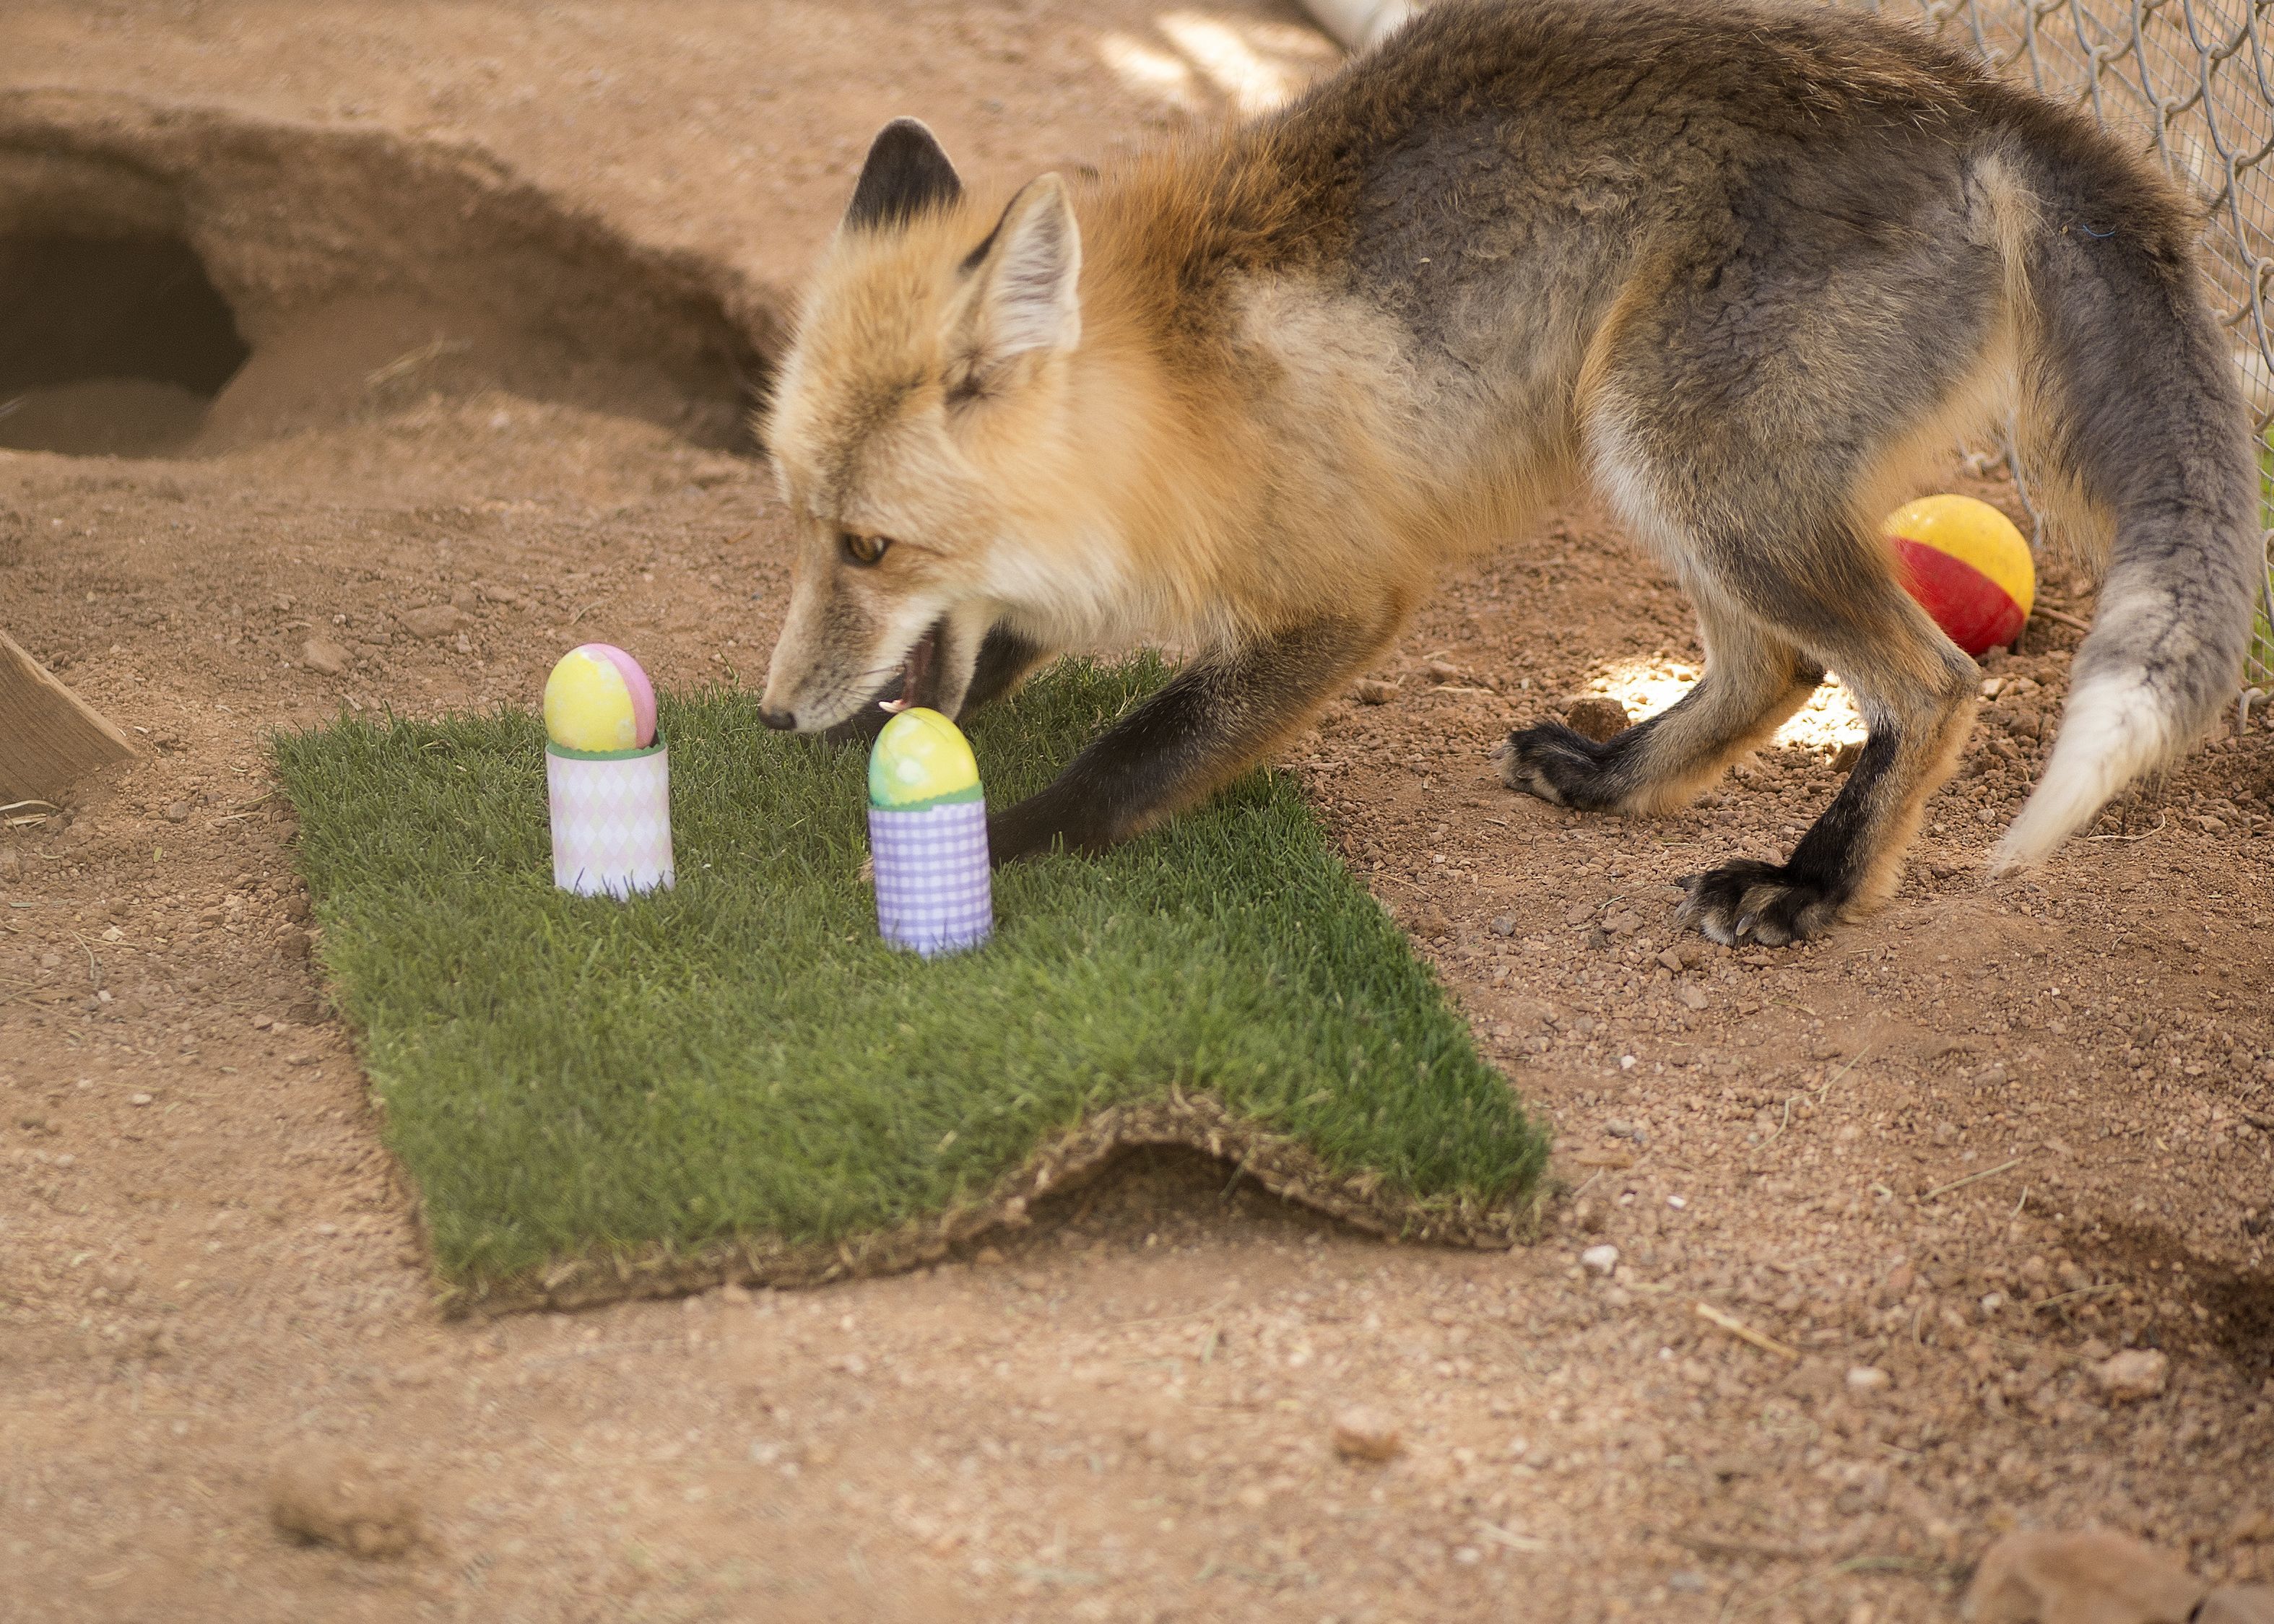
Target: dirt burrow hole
x,y
180,281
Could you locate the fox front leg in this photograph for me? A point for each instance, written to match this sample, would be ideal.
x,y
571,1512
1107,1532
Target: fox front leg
x,y
1217,717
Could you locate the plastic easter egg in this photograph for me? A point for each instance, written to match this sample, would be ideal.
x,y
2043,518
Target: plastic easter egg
x,y
921,760
635,683
598,699
1967,566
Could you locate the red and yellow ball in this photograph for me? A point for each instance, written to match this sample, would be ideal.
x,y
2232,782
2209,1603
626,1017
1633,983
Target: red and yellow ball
x,y
1967,566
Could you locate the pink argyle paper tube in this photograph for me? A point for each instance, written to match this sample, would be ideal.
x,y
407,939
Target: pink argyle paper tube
x,y
611,819
933,894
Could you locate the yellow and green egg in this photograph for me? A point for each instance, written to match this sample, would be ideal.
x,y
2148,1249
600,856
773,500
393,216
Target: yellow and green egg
x,y
921,760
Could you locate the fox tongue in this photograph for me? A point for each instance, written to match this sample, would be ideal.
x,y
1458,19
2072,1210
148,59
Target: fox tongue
x,y
914,670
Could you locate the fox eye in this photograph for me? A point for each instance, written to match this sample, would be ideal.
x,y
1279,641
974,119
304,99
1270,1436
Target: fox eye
x,y
864,550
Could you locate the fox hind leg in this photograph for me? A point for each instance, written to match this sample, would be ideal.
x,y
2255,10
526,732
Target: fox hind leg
x,y
1753,681
1916,693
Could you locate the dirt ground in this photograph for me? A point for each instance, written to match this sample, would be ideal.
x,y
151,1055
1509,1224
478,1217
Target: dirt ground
x,y
1945,1163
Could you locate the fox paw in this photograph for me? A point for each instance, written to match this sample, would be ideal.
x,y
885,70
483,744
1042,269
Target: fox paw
x,y
1550,761
1765,903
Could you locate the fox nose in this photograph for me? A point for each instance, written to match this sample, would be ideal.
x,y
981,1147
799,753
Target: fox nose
x,y
780,721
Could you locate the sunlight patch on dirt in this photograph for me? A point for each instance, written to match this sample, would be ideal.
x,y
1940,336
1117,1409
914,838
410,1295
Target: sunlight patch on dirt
x,y
1251,67
1646,687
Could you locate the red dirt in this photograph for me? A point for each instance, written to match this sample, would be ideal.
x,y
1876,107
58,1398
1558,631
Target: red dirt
x,y
207,1262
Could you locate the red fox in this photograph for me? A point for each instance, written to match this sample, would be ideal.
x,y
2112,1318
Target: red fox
x,y
1749,268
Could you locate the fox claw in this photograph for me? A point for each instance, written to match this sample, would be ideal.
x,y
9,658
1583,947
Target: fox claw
x,y
1759,902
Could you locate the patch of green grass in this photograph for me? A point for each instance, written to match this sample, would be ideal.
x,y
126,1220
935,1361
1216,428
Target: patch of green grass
x,y
741,1057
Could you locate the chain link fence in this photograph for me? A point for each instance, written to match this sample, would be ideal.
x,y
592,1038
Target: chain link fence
x,y
2191,81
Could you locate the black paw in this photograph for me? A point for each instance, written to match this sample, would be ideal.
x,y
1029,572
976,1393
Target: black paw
x,y
1760,902
1550,761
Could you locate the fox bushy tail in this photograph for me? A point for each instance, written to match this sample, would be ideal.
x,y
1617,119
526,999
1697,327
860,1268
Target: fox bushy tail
x,y
2133,422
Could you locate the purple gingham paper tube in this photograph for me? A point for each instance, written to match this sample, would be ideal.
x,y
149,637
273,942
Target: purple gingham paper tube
x,y
933,894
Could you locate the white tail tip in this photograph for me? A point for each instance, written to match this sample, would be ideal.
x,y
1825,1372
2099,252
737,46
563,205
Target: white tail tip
x,y
2113,731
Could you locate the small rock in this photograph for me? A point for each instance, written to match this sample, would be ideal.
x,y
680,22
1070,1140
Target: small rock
x,y
2096,1578
1371,691
12,863
1625,922
1363,1434
1691,996
987,1257
139,1099
1672,960
1595,716
1868,1378
327,1495
433,620
2238,1604
1505,925
1602,1260
321,654
294,943
2253,1528
2135,1374
1431,921
1846,756
178,812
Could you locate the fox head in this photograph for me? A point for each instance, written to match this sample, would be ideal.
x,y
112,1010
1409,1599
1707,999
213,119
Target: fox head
x,y
926,377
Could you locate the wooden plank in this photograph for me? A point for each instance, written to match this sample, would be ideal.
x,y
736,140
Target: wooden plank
x,y
49,737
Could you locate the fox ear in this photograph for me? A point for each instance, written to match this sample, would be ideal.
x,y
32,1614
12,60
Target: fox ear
x,y
905,174
1021,296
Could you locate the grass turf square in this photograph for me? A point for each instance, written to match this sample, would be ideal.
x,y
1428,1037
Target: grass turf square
x,y
736,1079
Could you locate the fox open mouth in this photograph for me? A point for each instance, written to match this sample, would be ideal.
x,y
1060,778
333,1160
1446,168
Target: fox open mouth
x,y
916,685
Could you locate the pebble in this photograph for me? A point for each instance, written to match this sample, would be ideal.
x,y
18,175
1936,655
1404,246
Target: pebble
x,y
1595,717
2048,1578
327,1495
12,862
1364,1434
1868,1378
1504,926
434,620
321,654
178,812
1370,691
2135,1374
1602,1260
